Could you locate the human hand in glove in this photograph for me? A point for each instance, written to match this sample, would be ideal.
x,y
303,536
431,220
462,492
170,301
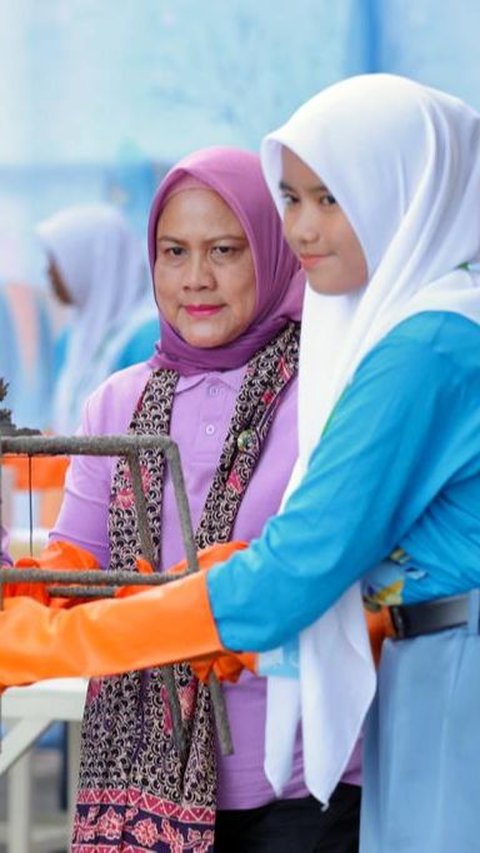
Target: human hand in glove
x,y
57,556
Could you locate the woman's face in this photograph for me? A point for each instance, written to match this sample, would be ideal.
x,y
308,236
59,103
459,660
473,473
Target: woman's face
x,y
318,231
204,274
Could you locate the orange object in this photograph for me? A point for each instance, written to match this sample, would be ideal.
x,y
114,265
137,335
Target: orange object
x,y
44,475
58,555
227,667
159,626
379,627
37,472
164,625
207,557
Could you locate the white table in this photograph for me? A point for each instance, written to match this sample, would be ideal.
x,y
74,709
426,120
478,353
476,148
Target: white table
x,y
28,712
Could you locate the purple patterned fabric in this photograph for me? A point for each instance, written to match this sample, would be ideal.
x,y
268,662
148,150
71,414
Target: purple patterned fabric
x,y
151,825
236,176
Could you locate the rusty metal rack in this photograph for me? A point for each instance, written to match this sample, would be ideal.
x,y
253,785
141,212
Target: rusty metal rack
x,y
97,584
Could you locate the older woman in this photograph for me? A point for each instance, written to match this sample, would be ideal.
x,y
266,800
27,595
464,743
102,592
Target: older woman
x,y
222,385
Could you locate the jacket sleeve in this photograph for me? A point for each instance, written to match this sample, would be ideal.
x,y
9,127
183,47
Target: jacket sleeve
x,y
405,424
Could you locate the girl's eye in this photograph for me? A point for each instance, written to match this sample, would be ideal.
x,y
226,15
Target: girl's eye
x,y
288,199
327,200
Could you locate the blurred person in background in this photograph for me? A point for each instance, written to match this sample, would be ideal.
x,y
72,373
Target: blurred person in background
x,y
9,352
96,265
26,352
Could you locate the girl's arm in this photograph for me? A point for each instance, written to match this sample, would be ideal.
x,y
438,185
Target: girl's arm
x,y
404,426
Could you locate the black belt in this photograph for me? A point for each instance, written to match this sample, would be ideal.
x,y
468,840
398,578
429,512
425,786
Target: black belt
x,y
414,619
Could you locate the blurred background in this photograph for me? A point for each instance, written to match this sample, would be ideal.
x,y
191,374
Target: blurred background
x,y
99,97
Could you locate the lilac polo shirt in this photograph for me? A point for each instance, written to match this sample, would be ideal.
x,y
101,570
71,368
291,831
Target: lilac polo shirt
x,y
201,415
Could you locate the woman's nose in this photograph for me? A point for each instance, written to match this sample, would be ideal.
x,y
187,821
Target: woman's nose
x,y
198,274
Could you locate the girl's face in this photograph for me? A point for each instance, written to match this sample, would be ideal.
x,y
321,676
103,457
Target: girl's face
x,y
204,273
319,232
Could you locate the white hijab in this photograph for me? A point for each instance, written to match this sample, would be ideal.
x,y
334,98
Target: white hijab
x,y
403,162
104,269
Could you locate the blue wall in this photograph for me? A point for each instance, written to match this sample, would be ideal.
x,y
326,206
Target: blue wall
x,y
98,97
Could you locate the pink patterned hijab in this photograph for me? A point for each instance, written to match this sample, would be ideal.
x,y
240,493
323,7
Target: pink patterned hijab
x,y
237,177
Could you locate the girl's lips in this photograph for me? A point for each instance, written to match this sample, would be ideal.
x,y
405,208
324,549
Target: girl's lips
x,y
202,310
309,262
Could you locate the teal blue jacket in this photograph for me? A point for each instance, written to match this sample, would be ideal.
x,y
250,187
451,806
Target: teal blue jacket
x,y
396,472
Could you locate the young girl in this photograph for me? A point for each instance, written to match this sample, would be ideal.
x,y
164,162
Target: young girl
x,y
378,181
96,265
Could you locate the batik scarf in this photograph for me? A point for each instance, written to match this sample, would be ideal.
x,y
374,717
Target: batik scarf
x,y
135,793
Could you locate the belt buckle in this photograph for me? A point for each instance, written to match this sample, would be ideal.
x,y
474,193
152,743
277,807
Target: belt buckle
x,y
398,621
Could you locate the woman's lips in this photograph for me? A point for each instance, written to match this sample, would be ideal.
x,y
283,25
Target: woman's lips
x,y
309,262
202,310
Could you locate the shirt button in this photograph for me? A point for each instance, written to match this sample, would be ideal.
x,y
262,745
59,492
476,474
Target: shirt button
x,y
210,429
213,390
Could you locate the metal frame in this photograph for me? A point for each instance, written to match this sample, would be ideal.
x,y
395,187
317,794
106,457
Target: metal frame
x,y
129,446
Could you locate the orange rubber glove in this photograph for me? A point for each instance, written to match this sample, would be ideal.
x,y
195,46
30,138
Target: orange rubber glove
x,y
379,627
164,625
58,555
227,667
206,557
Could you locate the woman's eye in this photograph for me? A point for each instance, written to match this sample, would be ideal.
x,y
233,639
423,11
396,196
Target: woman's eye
x,y
174,251
222,251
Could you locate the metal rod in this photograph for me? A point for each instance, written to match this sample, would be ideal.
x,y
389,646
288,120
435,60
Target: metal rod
x,y
172,453
90,577
114,445
81,591
85,445
221,715
146,544
144,532
218,700
30,506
